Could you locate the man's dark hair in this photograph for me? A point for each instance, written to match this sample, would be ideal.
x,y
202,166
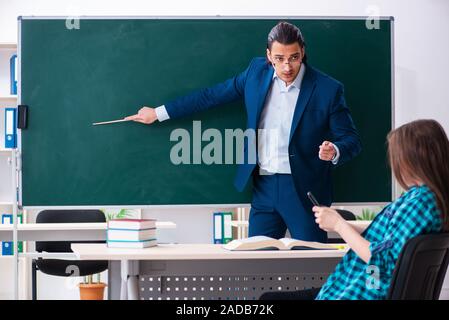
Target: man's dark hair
x,y
286,33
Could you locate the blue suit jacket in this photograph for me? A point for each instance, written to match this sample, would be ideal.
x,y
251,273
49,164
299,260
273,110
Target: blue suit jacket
x,y
320,114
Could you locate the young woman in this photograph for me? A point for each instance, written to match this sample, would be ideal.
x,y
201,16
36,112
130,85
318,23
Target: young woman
x,y
418,153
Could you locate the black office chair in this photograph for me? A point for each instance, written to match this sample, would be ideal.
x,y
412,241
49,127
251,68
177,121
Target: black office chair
x,y
58,267
421,268
347,215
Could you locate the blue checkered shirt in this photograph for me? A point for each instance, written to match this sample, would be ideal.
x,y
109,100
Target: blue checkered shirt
x,y
414,213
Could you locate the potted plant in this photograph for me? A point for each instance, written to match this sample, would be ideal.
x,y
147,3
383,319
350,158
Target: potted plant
x,y
367,214
90,290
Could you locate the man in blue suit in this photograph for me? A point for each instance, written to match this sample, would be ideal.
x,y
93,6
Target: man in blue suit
x,y
303,129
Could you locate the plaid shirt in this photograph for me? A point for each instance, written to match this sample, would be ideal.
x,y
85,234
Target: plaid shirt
x,y
414,213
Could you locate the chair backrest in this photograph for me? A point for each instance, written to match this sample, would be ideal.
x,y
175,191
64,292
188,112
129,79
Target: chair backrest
x,y
347,215
66,216
421,268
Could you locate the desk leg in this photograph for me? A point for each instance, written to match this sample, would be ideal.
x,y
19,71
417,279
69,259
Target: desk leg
x,y
124,276
130,280
133,288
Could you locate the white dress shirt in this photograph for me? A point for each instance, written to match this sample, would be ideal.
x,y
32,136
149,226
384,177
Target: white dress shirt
x,y
274,125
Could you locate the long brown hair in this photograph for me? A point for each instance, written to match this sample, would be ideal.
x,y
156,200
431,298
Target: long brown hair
x,y
419,150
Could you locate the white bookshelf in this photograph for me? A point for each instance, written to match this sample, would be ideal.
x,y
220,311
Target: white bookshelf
x,y
8,100
6,205
10,258
8,46
6,277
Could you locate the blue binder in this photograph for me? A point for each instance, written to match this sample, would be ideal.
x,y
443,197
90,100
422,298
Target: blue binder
x,y
218,227
13,73
7,248
10,128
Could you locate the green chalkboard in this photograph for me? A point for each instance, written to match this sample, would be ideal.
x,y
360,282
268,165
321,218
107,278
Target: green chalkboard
x,y
109,68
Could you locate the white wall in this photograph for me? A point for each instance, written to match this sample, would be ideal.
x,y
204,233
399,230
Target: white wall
x,y
421,51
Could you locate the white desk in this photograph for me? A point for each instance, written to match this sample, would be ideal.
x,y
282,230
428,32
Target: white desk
x,y
63,231
87,231
203,259
99,251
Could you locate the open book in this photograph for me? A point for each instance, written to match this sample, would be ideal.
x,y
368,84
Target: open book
x,y
267,243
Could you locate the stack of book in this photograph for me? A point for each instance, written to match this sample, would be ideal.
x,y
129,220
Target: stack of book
x,y
131,233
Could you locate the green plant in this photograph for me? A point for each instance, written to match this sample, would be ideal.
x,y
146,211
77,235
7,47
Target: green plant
x,y
90,279
122,214
367,214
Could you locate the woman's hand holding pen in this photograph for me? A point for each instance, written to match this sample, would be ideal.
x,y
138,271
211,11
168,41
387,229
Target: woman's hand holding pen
x,y
328,219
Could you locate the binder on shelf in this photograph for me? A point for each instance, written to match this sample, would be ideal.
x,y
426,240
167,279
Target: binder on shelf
x,y
218,228
13,73
20,243
10,128
227,227
7,246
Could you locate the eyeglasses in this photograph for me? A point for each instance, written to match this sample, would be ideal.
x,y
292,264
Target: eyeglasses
x,y
292,60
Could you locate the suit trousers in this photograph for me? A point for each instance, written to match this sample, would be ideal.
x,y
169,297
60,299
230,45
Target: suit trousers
x,y
276,207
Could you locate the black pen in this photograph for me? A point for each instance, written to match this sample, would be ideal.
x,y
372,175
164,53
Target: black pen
x,y
313,200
